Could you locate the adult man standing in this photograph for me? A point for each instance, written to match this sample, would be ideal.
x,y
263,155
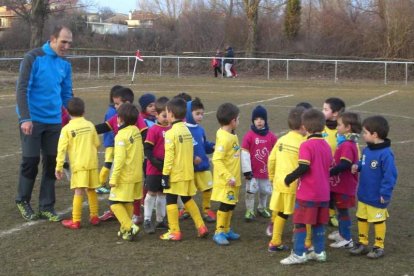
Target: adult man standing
x,y
43,87
228,61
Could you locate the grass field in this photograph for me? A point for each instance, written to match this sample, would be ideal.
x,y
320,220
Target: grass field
x,y
42,248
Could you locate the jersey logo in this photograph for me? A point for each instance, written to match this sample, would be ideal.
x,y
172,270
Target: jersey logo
x,y
378,216
261,156
257,141
374,164
131,140
73,133
180,139
230,196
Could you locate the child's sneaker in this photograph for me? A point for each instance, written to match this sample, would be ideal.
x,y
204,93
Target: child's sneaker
x,y
342,243
26,210
137,219
50,215
269,229
94,220
162,225
209,216
249,216
264,212
334,236
319,257
359,249
183,214
376,253
277,248
220,239
232,236
68,223
107,215
202,232
131,234
171,236
333,221
102,190
148,228
294,259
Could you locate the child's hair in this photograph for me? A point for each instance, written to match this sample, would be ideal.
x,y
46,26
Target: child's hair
x,y
377,124
336,104
226,113
160,104
112,92
76,107
295,117
186,97
145,100
128,113
196,104
305,105
352,119
178,107
313,120
125,94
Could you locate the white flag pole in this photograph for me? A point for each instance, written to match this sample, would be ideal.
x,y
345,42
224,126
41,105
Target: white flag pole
x,y
135,67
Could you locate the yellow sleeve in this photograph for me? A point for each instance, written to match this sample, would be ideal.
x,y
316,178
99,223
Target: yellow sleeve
x,y
169,153
62,148
219,159
96,140
271,163
119,160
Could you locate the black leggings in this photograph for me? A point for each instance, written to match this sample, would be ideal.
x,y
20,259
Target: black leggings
x,y
172,199
224,207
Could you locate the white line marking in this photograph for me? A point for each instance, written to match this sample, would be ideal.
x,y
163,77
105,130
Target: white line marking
x,y
373,99
402,142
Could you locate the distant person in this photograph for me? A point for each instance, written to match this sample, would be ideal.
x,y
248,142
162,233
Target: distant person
x,y
43,87
216,63
228,61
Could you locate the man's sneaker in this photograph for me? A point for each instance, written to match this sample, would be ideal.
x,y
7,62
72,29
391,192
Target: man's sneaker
x,y
277,248
333,221
68,223
171,236
94,220
294,259
342,243
148,228
249,216
137,219
232,236
334,236
50,216
264,212
319,257
202,231
161,225
210,216
183,214
220,239
131,234
66,170
26,210
269,229
107,215
359,249
102,190
376,253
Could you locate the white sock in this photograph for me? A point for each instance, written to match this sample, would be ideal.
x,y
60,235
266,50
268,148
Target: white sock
x,y
160,207
250,201
262,201
265,189
149,206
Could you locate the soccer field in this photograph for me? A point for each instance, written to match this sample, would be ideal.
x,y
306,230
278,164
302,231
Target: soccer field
x,y
43,248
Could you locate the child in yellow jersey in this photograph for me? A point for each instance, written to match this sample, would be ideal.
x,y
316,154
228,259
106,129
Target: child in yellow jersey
x,y
283,159
80,140
127,177
178,172
226,172
332,108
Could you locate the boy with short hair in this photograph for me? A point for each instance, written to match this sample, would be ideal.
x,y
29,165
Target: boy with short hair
x,y
312,194
226,172
80,140
377,178
178,172
127,176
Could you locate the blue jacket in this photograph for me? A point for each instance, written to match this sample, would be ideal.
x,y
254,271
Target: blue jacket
x,y
108,137
378,174
44,85
202,147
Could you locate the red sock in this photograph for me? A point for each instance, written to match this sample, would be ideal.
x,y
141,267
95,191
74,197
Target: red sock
x,y
137,207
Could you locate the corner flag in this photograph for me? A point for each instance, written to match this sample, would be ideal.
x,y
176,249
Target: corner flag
x,y
138,56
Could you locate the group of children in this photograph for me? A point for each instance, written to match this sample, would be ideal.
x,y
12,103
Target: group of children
x,y
161,154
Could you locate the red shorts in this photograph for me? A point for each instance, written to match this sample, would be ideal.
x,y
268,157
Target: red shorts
x,y
343,201
311,212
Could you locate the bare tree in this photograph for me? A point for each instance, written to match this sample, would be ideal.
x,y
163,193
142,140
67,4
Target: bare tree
x,y
292,18
251,8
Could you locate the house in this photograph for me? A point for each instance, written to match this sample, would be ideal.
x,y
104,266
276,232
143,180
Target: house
x,y
141,20
6,17
114,25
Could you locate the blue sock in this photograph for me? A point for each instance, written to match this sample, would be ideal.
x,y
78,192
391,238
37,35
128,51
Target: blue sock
x,y
318,237
299,239
344,223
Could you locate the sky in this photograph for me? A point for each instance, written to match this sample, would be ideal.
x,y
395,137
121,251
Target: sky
x,y
120,6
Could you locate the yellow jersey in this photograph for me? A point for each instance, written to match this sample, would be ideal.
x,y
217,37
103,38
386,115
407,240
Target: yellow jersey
x,y
226,159
331,138
283,160
80,141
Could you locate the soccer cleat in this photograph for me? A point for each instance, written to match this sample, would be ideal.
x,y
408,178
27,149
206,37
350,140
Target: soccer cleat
x,y
334,236
107,215
50,216
131,234
319,257
137,219
342,243
26,210
376,253
148,228
209,216
161,225
94,220
68,223
102,190
333,221
232,236
264,212
202,231
359,249
220,239
294,259
171,236
183,214
249,216
277,248
269,229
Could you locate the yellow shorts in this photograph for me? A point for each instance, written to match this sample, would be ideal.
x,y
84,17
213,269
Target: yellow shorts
x,y
203,180
182,188
109,154
126,192
282,202
85,179
371,213
226,194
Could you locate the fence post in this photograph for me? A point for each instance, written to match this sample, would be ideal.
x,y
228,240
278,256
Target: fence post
x,y
178,66
89,68
99,66
160,66
336,70
268,69
385,72
406,73
114,66
287,69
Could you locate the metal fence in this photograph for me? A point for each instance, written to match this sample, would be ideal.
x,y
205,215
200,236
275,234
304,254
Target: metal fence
x,y
268,68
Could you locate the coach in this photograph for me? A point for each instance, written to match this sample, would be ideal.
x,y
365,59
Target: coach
x,y
43,87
